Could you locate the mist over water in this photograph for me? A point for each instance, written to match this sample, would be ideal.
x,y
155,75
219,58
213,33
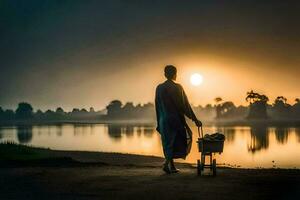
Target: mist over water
x,y
245,146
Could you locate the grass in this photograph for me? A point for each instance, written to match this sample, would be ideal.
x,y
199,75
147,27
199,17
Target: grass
x,y
18,152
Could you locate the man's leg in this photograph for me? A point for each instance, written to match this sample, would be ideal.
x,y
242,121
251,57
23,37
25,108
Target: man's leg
x,y
166,166
172,167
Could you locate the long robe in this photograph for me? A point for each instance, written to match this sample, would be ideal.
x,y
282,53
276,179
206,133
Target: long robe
x,y
172,106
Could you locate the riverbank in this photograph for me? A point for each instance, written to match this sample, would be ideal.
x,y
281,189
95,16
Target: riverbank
x,y
46,174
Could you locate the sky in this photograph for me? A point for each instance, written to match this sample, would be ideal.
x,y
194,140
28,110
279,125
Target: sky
x,y
87,53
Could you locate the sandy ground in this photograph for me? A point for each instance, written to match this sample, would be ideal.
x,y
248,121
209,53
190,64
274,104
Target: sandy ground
x,y
121,176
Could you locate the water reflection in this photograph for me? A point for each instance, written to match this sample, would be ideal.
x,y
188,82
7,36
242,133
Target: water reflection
x,y
82,130
148,131
259,138
59,130
24,134
229,134
114,131
129,131
253,146
297,131
282,134
139,131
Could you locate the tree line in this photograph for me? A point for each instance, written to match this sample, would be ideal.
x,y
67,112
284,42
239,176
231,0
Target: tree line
x,y
114,110
258,108
25,111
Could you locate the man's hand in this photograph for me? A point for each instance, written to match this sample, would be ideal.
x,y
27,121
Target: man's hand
x,y
198,123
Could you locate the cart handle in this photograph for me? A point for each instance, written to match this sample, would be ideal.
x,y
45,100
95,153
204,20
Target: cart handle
x,y
200,128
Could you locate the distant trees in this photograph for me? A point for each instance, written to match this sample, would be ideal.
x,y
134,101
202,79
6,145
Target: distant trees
x,y
24,111
128,110
92,110
39,114
258,105
115,110
75,111
83,110
258,109
281,109
296,109
226,109
59,111
1,113
207,112
9,115
218,107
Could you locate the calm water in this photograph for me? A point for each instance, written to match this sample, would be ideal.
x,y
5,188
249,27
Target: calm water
x,y
244,146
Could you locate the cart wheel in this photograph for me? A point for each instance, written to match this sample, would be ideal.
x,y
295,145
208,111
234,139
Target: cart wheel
x,y
214,167
198,168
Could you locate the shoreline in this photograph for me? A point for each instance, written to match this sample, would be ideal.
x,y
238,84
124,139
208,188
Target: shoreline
x,y
97,175
18,155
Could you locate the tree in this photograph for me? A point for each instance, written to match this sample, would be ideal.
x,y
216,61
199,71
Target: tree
x,y
208,106
9,115
50,115
218,106
280,100
114,108
92,110
280,108
128,110
225,109
24,111
218,100
75,111
258,105
148,111
60,111
39,114
83,110
1,113
296,109
251,96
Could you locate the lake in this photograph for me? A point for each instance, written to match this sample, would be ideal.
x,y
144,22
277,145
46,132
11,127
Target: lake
x,y
245,146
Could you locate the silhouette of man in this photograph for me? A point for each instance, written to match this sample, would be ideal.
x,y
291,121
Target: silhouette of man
x,y
172,105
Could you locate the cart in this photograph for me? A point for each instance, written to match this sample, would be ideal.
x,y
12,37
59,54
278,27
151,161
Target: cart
x,y
208,148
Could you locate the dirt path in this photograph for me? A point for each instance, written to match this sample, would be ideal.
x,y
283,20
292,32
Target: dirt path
x,y
145,182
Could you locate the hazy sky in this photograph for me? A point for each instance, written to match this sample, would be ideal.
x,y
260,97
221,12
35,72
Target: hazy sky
x,y
86,53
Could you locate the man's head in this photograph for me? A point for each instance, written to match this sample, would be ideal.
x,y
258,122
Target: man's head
x,y
170,72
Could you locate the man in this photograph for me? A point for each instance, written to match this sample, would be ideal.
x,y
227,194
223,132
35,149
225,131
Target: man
x,y
172,105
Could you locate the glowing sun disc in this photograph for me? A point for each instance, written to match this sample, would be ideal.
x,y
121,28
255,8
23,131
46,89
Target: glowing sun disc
x,y
196,79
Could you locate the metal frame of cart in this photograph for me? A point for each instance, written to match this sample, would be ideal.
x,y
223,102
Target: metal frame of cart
x,y
208,148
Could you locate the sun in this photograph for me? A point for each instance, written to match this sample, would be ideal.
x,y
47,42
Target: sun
x,y
196,79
